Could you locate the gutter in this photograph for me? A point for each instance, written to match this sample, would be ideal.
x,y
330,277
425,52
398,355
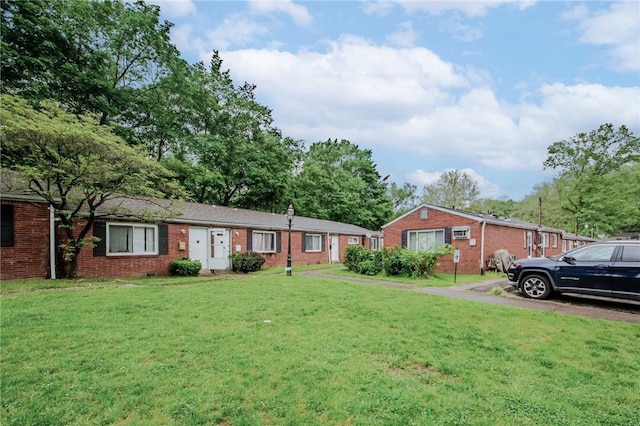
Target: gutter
x,y
484,223
52,242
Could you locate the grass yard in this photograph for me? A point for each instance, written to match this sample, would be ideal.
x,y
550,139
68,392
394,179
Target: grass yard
x,y
275,350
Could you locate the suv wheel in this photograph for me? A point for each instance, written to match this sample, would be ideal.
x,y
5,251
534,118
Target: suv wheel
x,y
535,287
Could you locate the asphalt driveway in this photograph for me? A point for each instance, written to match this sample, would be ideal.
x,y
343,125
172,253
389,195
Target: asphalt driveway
x,y
602,308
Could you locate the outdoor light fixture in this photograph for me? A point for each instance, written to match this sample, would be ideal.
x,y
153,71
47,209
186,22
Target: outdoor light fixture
x,y
289,219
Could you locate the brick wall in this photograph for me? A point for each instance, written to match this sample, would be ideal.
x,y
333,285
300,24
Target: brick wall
x,y
29,256
90,266
469,248
471,261
298,257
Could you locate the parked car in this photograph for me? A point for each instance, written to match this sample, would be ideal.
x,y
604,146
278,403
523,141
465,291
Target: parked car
x,y
605,268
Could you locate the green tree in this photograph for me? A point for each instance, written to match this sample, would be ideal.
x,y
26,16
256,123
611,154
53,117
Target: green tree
x,y
546,200
455,188
234,157
93,56
160,117
403,198
75,165
44,51
503,207
586,163
339,181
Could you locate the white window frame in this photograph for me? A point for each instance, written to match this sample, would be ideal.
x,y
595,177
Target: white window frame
x,y
353,240
138,247
314,238
258,242
554,240
373,243
461,232
423,242
545,240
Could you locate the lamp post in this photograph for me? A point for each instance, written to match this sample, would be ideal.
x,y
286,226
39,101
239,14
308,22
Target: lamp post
x,y
289,219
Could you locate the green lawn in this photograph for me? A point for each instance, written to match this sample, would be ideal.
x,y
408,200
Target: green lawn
x,y
275,350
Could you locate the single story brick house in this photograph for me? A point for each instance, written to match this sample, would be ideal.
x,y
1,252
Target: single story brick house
x,y
129,246
476,235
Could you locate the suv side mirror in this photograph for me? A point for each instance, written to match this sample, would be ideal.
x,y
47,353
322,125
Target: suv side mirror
x,y
570,260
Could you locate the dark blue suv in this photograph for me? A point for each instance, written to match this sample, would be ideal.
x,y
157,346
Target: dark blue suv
x,y
605,268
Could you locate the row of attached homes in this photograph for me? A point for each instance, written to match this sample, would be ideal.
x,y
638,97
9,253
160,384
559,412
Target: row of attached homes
x,y
128,246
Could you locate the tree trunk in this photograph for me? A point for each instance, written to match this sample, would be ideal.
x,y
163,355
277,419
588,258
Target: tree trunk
x,y
72,266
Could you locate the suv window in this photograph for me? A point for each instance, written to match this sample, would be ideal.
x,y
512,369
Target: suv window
x,y
595,253
631,253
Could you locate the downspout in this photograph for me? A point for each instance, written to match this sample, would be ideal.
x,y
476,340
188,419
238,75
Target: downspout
x,y
52,241
482,248
329,244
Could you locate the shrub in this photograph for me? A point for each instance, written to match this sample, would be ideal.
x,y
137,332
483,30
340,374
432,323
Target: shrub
x,y
249,261
185,267
353,256
407,263
359,259
396,261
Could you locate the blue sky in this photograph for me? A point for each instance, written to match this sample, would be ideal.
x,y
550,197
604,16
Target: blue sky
x,y
427,86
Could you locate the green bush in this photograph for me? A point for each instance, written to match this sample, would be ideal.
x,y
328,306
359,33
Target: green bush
x,y
406,263
359,259
397,261
249,261
185,267
353,256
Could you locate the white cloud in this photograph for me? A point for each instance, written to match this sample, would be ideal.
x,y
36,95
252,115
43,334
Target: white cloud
x,y
405,36
617,27
469,8
298,13
235,30
175,8
460,31
409,100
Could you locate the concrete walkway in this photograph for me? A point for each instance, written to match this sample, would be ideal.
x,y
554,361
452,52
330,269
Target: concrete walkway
x,y
602,308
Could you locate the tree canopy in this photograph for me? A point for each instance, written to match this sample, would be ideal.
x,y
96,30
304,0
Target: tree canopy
x,y
339,181
455,188
590,166
75,164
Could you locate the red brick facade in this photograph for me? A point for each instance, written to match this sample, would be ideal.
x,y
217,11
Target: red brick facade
x,y
480,244
93,266
28,257
298,256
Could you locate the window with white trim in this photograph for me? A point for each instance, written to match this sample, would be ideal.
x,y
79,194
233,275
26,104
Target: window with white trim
x,y
554,240
373,243
131,239
461,232
263,241
544,240
353,240
312,242
425,240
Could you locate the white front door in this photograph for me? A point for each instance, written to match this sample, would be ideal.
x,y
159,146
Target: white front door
x,y
335,248
199,245
220,249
